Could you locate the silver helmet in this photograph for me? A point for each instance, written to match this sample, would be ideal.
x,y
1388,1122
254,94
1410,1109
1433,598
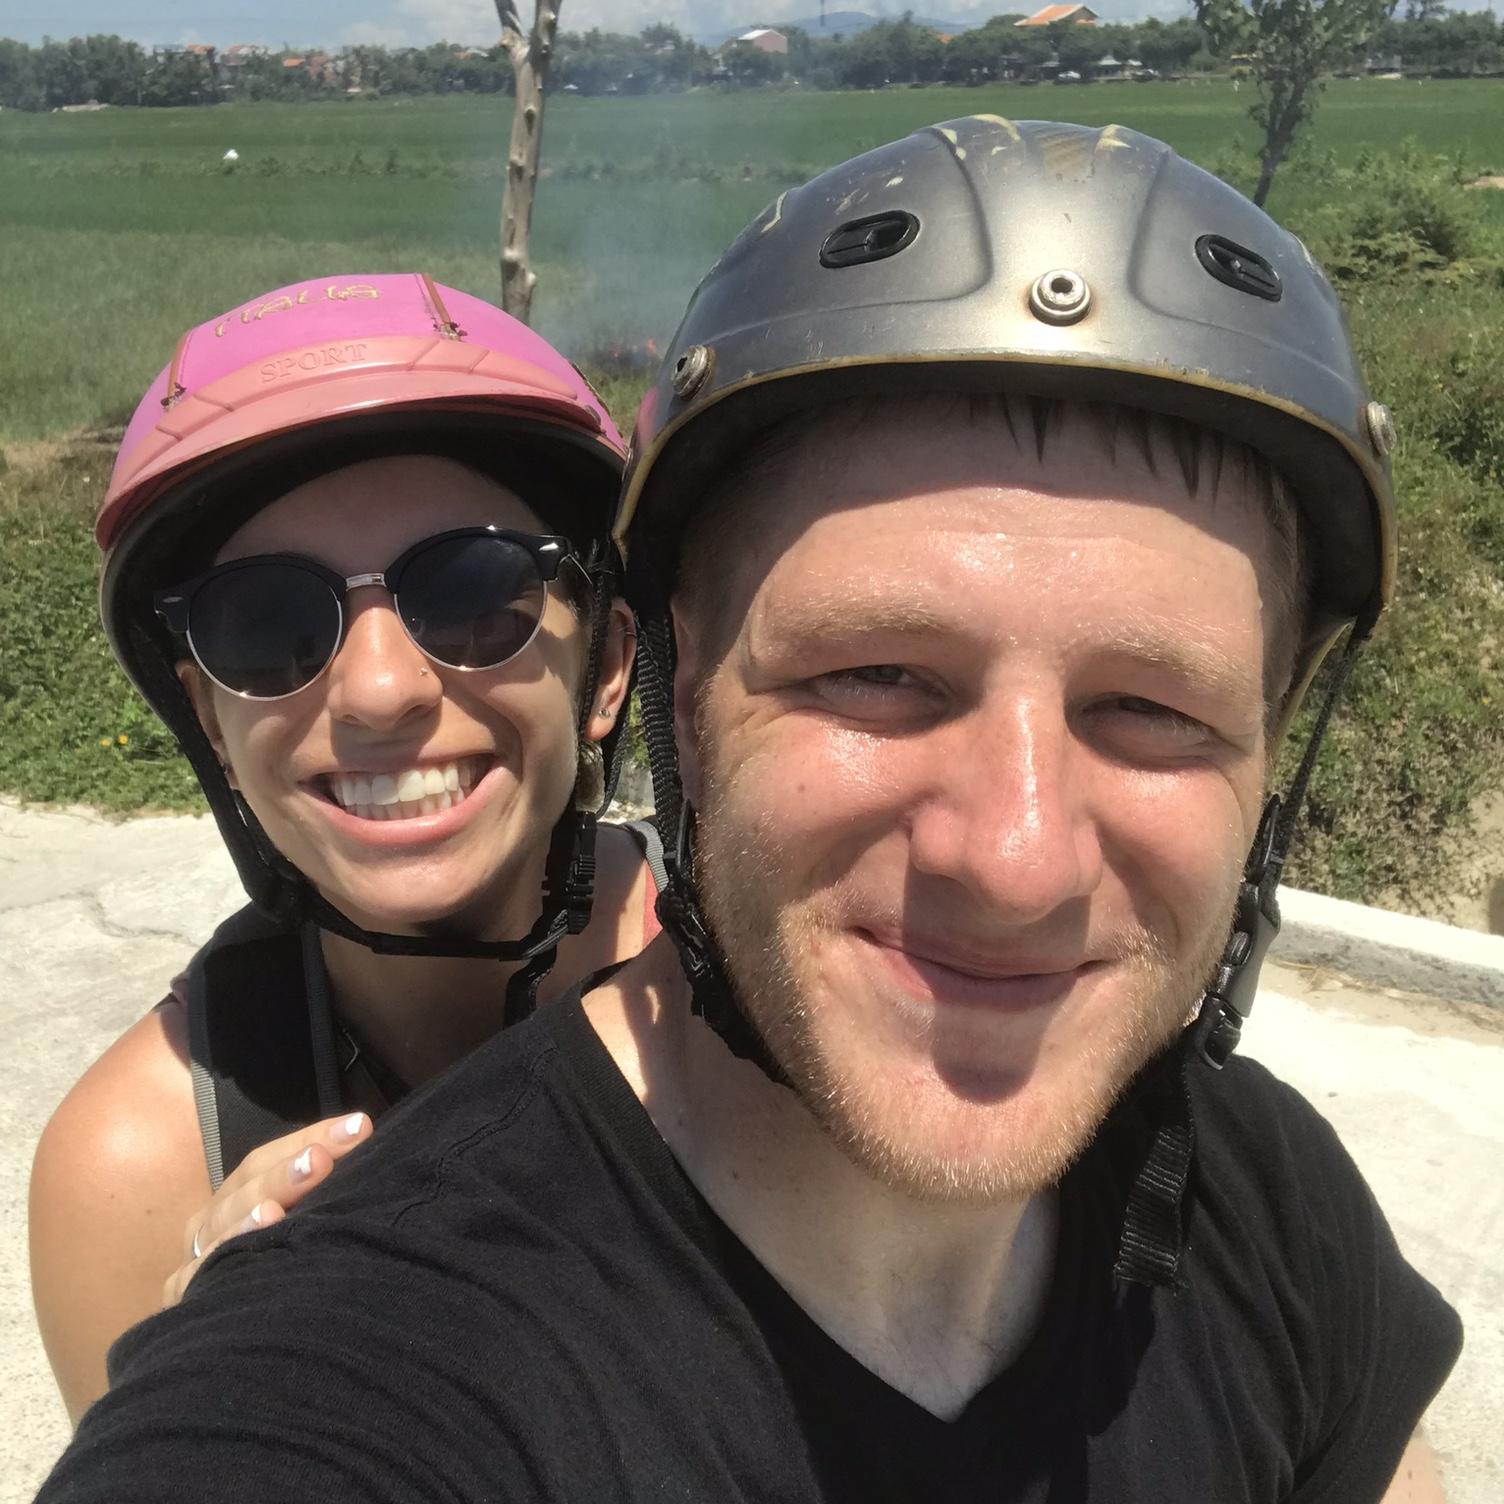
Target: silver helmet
x,y
1045,259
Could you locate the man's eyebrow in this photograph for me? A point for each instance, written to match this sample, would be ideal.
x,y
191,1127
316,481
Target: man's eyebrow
x,y
849,615
840,616
1198,662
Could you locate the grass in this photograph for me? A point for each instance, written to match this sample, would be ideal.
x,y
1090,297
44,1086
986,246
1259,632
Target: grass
x,y
131,224
125,228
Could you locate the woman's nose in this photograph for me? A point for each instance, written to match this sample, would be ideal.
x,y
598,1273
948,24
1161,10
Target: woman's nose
x,y
379,678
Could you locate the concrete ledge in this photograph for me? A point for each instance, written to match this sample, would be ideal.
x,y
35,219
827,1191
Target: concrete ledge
x,y
1390,950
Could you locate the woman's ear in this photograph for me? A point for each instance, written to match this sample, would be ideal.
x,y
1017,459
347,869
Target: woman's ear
x,y
201,696
617,654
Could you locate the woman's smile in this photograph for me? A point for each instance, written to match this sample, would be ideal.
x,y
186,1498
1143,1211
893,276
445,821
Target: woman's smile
x,y
386,810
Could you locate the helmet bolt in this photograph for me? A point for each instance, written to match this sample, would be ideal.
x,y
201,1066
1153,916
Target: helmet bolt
x,y
1380,423
1060,297
690,370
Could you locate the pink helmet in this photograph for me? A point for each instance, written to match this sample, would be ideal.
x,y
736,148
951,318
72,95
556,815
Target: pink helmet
x,y
322,350
270,388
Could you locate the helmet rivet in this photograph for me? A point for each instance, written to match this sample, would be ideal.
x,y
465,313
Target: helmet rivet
x,y
1380,428
1060,297
691,369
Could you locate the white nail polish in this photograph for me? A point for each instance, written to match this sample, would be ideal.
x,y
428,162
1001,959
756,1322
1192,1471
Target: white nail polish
x,y
302,1166
352,1125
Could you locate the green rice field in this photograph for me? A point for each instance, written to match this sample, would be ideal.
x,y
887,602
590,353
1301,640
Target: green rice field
x,y
122,227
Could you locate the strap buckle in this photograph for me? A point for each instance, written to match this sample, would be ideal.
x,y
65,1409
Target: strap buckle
x,y
1229,999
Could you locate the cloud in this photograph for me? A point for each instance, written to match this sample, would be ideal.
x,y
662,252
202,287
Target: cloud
x,y
374,34
470,21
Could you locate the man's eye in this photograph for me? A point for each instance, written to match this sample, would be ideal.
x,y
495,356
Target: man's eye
x,y
1135,705
879,675
887,685
1142,725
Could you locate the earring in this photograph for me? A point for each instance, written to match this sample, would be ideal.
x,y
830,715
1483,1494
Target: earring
x,y
604,712
422,671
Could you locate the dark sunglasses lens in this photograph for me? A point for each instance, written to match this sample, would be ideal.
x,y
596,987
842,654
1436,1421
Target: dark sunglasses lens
x,y
265,630
472,602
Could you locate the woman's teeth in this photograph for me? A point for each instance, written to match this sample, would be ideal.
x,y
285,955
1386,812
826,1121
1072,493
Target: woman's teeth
x,y
408,794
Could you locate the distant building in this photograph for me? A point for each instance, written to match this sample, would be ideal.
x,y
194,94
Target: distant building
x,y
317,65
239,54
763,38
1079,15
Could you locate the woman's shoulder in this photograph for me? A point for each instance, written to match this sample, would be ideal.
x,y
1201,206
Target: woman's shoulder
x,y
131,1115
118,1172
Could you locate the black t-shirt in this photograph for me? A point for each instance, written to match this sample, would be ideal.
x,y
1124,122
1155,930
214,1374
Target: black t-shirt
x,y
514,1293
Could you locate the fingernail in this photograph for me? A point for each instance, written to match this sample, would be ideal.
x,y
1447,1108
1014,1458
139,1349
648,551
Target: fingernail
x,y
252,1222
351,1127
302,1166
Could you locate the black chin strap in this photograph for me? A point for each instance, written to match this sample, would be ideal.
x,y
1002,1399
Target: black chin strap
x,y
1152,1238
712,997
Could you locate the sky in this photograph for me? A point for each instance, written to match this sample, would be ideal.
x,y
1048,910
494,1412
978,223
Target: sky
x,y
398,23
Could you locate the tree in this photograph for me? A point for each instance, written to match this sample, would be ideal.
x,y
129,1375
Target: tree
x,y
751,65
1077,46
1290,45
530,55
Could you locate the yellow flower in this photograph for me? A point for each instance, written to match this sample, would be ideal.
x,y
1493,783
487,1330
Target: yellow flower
x,y
123,739
104,741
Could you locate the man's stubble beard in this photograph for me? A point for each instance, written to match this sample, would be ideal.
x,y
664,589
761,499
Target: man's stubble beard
x,y
740,880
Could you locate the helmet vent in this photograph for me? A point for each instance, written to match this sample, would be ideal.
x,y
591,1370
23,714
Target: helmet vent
x,y
872,238
1237,267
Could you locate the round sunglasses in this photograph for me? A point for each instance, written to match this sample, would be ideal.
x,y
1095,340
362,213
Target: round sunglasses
x,y
268,626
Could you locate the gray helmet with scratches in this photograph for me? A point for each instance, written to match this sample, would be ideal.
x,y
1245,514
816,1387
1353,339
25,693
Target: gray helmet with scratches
x,y
1046,259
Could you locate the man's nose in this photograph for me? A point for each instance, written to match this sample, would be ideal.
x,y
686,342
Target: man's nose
x,y
379,678
1007,815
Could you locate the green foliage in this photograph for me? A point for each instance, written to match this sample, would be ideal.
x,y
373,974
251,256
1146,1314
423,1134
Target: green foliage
x,y
1290,45
1429,40
74,729
1394,213
1422,732
642,195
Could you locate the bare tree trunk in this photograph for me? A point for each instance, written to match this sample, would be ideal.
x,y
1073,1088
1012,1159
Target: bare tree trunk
x,y
530,57
1279,134
1267,168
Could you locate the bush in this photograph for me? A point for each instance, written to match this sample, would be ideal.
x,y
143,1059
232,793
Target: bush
x,y
1421,736
1470,426
73,728
1391,214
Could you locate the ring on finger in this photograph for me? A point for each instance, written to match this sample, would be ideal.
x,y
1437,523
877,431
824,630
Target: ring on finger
x,y
198,1252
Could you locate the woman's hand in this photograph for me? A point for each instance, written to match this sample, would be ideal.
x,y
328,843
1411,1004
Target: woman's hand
x,y
265,1186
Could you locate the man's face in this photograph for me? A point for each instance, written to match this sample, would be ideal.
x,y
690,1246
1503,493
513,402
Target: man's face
x,y
976,774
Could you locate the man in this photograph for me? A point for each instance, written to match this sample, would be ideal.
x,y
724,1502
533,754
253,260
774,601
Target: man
x,y
1003,489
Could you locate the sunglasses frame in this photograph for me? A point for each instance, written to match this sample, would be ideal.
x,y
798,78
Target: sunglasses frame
x,y
548,551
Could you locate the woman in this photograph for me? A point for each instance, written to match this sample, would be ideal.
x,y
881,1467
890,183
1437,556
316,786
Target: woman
x,y
357,557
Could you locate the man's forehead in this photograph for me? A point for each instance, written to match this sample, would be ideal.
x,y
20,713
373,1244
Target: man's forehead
x,y
843,453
